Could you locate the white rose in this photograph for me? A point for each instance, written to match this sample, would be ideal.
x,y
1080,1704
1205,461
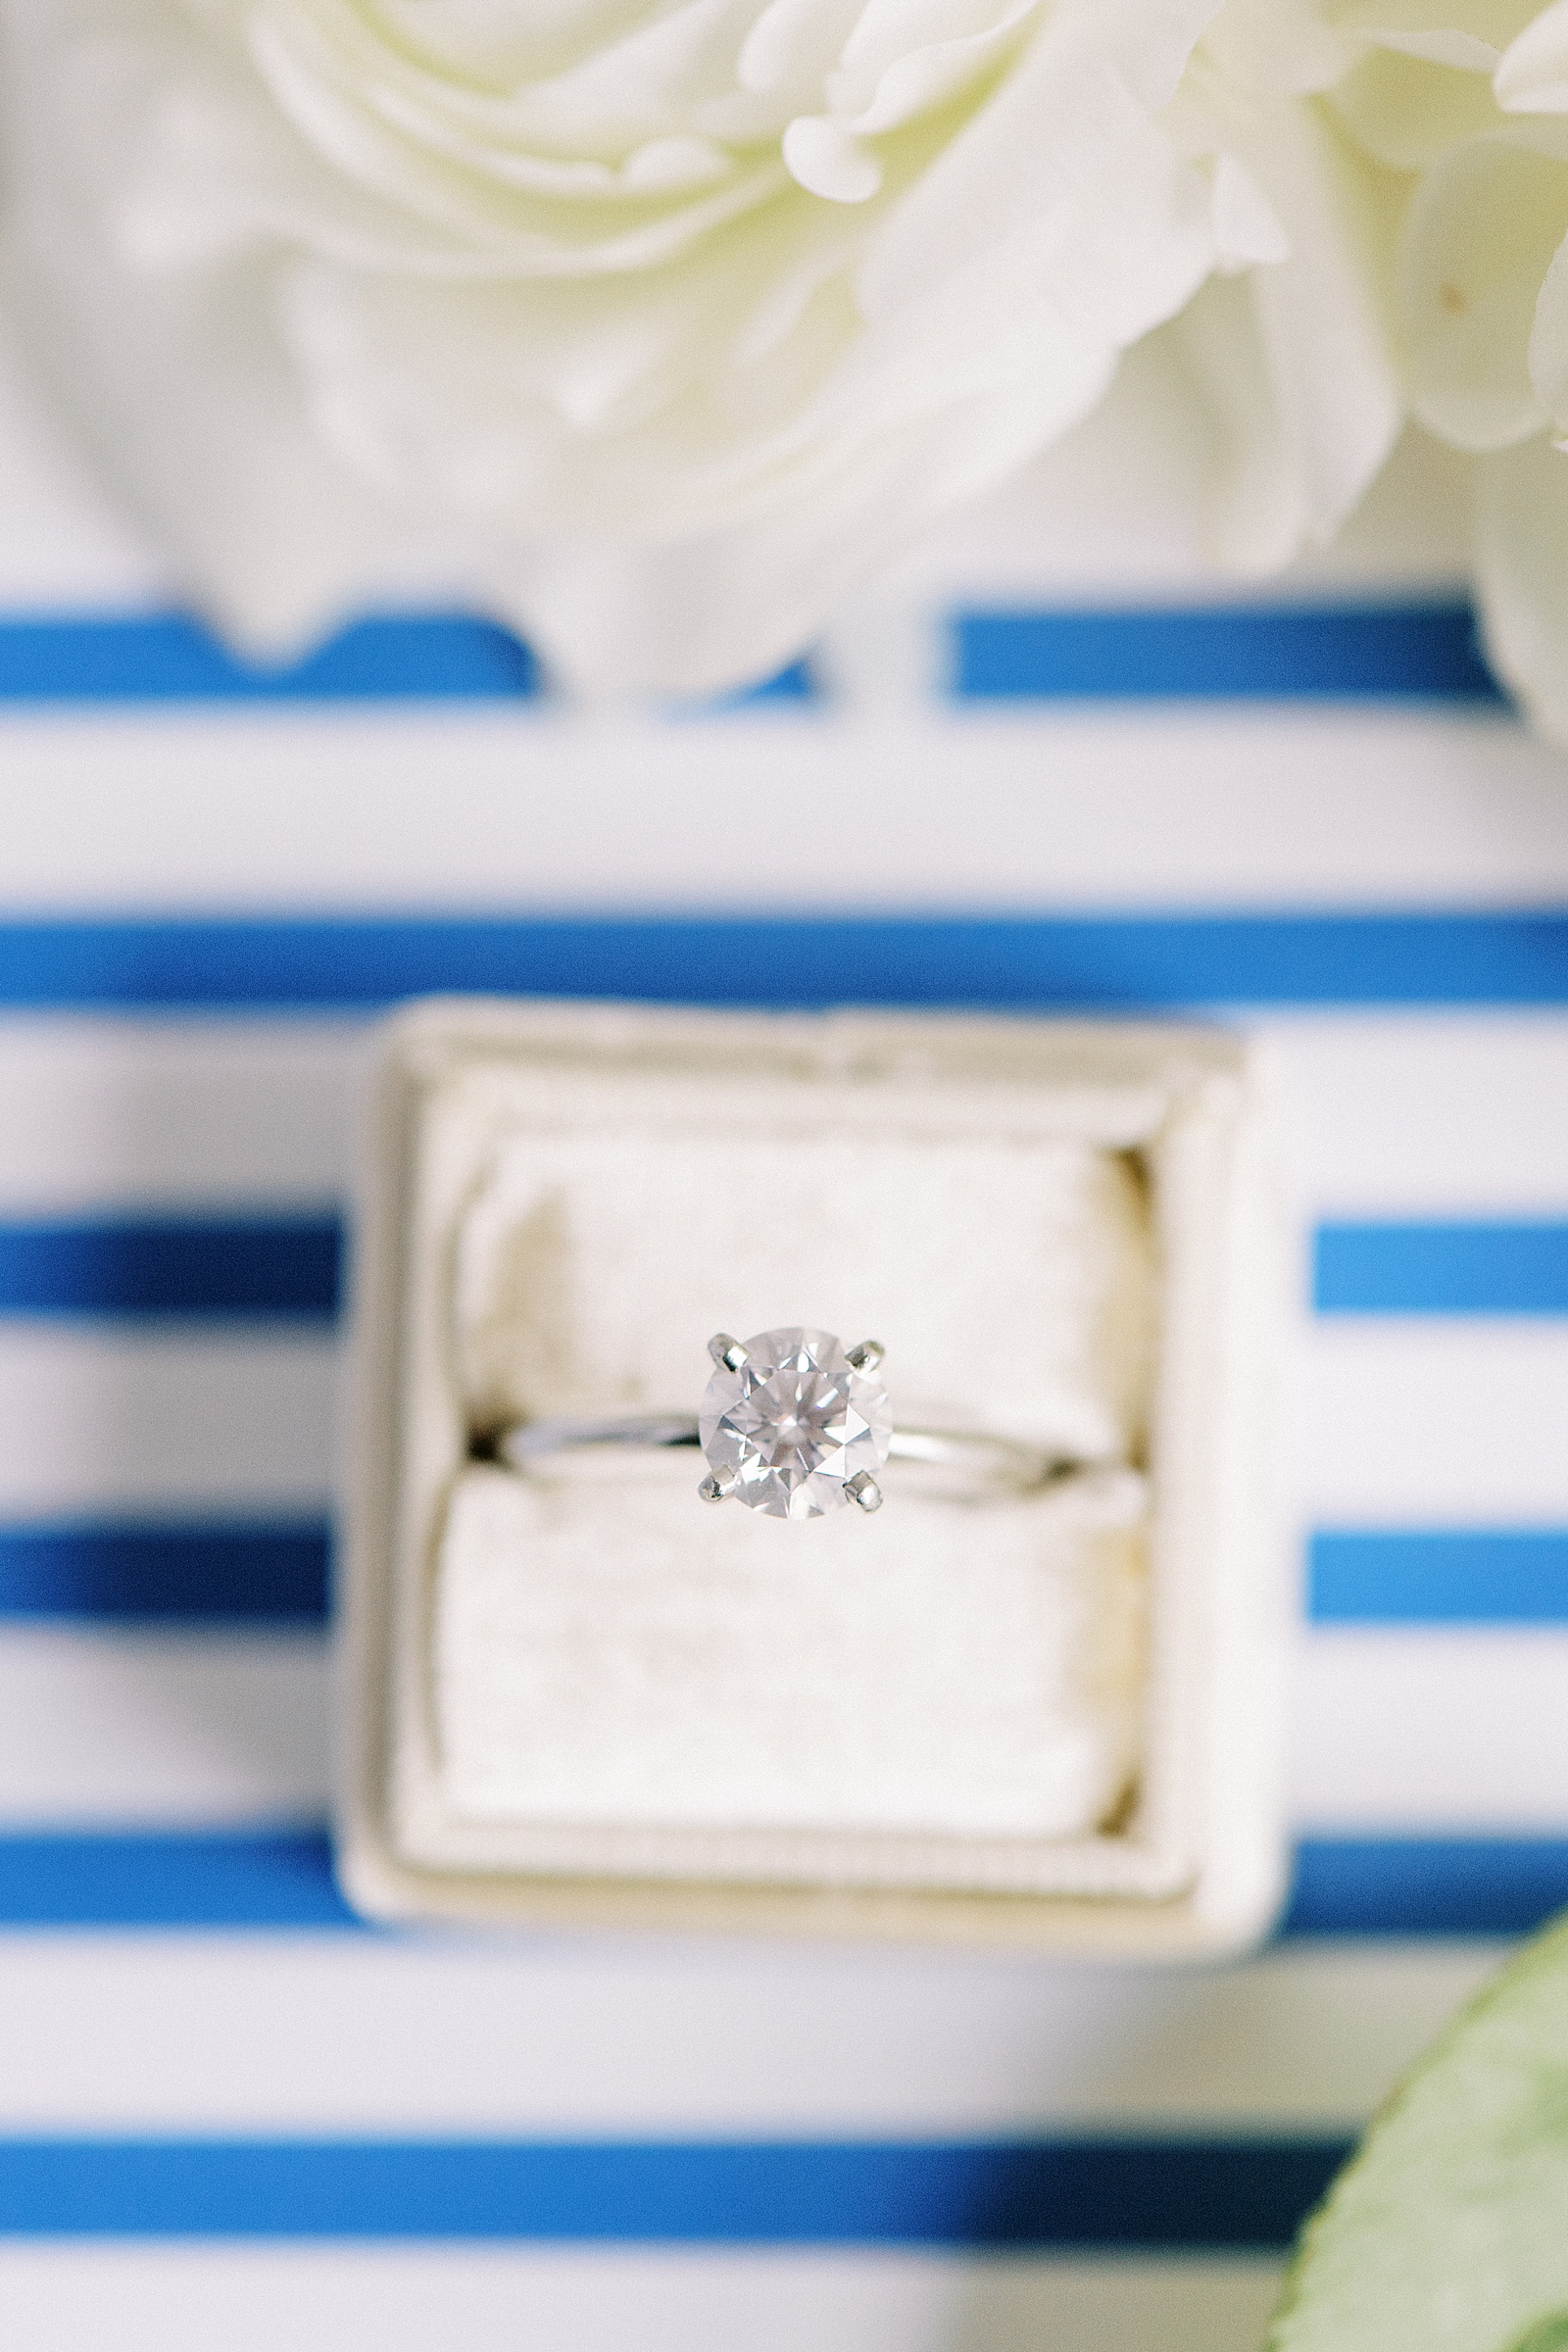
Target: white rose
x,y
1417,154
653,324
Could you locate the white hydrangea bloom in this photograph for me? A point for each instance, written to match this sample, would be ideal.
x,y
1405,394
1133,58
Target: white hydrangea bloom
x,y
654,324
1416,153
1477,109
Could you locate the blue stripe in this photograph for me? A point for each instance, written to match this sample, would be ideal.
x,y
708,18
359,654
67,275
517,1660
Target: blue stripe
x,y
244,1572
384,657
236,1880
1399,1885
162,658
1352,652
1106,963
259,1268
263,1880
795,684
1441,1269
290,1267
1167,2195
226,1572
1342,653
1439,1576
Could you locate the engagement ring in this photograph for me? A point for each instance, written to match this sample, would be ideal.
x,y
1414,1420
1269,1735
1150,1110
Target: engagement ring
x,y
795,1425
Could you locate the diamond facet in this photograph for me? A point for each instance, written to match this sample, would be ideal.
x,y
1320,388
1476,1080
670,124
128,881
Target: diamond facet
x,y
789,1428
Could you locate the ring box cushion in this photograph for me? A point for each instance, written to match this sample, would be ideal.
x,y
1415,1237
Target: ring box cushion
x,y
580,1694
611,1682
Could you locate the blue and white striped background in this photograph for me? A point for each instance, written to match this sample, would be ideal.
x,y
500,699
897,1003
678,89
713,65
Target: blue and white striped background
x,y
229,2114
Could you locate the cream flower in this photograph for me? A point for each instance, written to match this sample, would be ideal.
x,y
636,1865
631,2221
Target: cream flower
x,y
653,324
1290,343
1474,108
1417,153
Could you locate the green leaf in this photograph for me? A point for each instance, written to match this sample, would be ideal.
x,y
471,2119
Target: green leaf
x,y
1550,2334
1449,2230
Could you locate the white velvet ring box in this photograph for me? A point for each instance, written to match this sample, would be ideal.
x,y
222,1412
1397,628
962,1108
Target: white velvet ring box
x,y
581,1697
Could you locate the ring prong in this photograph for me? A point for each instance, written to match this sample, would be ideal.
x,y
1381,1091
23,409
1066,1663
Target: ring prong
x,y
714,1490
863,1487
867,1356
726,1352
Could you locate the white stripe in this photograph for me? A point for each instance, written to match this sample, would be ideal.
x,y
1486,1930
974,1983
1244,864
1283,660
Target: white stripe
x,y
1393,1728
111,1420
1433,1421
1447,1115
117,1726
285,2034
1459,1729
1458,1115
419,806
112,1114
187,2299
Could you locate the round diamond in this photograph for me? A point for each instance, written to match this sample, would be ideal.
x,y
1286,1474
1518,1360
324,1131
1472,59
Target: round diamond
x,y
793,1424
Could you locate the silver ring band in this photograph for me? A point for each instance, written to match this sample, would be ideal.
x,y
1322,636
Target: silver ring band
x,y
981,1458
794,1424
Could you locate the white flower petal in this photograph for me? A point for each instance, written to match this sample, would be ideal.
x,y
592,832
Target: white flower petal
x,y
1280,48
1471,34
1522,575
1460,50
794,46
489,224
1247,227
695,619
827,158
1549,342
1072,119
1477,243
494,41
1320,320
1532,76
1405,111
1258,514
907,56
663,166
